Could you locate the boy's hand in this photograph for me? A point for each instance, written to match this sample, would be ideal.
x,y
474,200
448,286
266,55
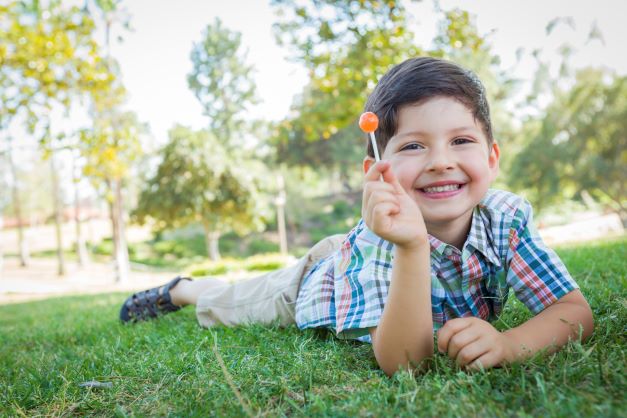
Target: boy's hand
x,y
474,343
389,211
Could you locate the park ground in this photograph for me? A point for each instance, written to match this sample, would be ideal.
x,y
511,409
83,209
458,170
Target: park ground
x,y
69,355
40,279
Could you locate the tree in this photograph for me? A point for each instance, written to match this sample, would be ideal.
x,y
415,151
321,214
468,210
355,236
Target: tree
x,y
199,181
578,144
47,57
346,46
222,81
459,40
110,149
226,200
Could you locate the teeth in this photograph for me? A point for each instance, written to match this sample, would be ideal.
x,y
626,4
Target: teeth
x,y
438,189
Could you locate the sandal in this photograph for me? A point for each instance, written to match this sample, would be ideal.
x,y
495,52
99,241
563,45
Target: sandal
x,y
150,303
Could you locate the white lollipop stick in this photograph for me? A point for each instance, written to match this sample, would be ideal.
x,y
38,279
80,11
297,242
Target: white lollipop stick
x,y
373,141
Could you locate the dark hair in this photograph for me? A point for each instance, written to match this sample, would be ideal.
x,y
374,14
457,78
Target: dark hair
x,y
419,79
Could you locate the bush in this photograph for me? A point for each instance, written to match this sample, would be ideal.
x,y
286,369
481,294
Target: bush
x,y
212,268
340,217
267,262
105,247
261,246
163,248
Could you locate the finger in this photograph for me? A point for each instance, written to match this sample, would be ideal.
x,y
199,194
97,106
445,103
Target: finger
x,y
450,328
460,340
374,192
380,207
485,361
471,352
381,217
372,188
376,171
390,178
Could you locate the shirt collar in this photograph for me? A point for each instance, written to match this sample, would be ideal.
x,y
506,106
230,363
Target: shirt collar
x,y
479,237
437,246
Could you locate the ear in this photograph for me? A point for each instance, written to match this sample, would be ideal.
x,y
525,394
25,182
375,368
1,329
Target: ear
x,y
368,161
493,160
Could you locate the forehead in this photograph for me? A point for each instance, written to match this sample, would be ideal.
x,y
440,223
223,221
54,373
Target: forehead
x,y
436,113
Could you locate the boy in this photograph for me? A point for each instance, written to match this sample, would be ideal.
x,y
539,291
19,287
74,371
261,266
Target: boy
x,y
436,249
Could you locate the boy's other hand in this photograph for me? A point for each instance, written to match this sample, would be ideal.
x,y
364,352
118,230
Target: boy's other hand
x,y
474,343
389,211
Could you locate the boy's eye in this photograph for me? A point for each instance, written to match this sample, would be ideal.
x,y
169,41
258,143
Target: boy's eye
x,y
412,146
460,141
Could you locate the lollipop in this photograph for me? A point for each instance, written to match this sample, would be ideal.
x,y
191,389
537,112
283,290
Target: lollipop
x,y
368,122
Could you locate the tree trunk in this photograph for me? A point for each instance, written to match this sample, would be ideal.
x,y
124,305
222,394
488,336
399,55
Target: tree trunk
x,y
1,247
81,249
280,213
120,250
57,216
23,250
212,239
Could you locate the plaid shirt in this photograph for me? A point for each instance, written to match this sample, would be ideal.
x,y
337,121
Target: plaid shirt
x,y
347,290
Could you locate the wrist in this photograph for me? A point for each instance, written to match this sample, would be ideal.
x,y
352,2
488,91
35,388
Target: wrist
x,y
511,346
414,245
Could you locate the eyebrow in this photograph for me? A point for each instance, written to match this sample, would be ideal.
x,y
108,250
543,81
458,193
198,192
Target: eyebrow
x,y
423,133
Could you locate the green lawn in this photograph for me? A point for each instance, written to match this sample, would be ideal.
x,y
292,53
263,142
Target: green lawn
x,y
173,367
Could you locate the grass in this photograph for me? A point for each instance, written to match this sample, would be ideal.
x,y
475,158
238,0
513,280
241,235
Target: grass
x,y
173,367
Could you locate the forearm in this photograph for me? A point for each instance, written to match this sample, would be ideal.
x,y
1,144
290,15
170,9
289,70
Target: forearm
x,y
567,319
404,335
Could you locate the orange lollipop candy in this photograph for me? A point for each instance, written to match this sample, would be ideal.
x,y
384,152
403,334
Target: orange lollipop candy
x,y
369,122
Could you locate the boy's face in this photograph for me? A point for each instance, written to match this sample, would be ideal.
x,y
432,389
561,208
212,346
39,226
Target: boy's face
x,y
441,157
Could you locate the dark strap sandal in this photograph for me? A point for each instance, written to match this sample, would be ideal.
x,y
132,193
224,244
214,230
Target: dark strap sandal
x,y
149,304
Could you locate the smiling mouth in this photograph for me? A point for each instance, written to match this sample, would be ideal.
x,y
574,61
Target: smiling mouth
x,y
440,189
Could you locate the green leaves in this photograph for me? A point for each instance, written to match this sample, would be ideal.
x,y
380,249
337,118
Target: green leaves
x,y
579,143
199,180
47,57
112,146
346,46
222,81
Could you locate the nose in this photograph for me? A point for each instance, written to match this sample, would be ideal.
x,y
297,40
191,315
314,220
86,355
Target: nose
x,y
440,159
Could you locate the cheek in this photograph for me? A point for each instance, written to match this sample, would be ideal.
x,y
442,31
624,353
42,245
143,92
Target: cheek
x,y
480,173
405,173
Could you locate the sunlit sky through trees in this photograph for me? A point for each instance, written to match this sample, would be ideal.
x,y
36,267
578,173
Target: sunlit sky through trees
x,y
154,57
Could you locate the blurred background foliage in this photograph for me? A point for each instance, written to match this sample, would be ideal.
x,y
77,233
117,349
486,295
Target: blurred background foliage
x,y
214,191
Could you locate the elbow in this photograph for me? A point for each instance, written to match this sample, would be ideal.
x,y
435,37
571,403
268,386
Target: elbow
x,y
578,315
391,363
587,324
585,320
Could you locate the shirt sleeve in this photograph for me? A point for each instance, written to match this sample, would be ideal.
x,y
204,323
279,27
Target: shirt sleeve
x,y
535,273
362,278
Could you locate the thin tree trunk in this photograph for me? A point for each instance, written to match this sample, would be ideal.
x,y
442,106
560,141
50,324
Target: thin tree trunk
x,y
81,249
280,212
23,250
122,256
57,216
120,250
1,247
212,239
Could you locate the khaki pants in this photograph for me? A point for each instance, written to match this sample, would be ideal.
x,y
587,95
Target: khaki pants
x,y
264,299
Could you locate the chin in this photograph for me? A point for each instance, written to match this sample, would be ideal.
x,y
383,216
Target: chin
x,y
444,218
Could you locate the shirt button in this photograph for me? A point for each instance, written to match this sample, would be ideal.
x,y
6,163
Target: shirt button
x,y
448,251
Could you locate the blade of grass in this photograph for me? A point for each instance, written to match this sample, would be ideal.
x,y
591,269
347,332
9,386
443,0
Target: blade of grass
x,y
229,379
